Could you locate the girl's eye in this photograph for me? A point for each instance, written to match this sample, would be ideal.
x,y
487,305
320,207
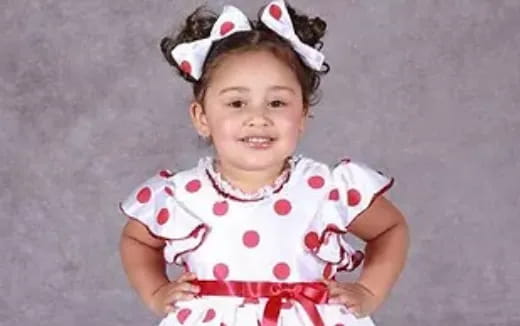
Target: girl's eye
x,y
236,104
278,103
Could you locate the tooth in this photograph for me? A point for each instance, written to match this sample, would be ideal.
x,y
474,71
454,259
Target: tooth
x,y
257,139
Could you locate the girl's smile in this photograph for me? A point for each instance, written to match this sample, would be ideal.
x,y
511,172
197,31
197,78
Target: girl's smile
x,y
258,142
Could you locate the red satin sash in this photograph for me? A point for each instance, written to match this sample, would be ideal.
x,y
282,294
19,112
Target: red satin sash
x,y
308,294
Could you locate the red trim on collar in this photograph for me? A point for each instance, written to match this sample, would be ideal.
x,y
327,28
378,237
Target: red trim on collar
x,y
232,197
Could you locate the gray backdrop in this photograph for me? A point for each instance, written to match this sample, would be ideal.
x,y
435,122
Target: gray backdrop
x,y
427,91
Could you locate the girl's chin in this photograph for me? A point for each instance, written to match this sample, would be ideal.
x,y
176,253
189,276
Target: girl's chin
x,y
259,161
256,156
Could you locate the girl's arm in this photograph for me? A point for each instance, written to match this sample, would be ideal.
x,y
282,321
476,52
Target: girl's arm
x,y
384,229
142,259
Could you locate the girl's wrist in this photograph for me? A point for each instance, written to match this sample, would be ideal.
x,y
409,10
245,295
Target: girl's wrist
x,y
378,294
159,288
149,299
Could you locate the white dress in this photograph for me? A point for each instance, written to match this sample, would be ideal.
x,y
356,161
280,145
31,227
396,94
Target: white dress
x,y
288,232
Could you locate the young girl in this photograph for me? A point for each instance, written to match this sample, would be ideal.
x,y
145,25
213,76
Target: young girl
x,y
259,229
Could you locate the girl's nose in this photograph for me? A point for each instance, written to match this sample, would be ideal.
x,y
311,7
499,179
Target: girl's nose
x,y
258,121
258,118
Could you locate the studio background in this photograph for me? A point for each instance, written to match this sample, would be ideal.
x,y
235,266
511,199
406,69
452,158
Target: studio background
x,y
426,91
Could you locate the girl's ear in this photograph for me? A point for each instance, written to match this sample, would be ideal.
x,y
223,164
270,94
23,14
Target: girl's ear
x,y
199,119
303,122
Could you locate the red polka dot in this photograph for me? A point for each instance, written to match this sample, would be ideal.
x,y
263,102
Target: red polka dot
x,y
166,173
193,185
144,195
275,12
327,271
220,271
186,67
312,240
353,197
282,207
168,190
226,27
183,314
281,271
316,182
251,239
210,314
339,325
163,216
220,208
334,194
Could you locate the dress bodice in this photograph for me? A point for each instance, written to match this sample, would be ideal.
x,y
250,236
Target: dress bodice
x,y
294,232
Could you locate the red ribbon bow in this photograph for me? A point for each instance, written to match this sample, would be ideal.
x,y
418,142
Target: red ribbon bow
x,y
308,294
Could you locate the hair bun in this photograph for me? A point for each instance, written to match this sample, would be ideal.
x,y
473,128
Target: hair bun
x,y
197,26
309,30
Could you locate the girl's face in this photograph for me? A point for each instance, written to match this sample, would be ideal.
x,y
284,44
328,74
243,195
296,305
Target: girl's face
x,y
253,111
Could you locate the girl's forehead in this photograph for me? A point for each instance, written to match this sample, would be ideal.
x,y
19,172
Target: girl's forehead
x,y
253,68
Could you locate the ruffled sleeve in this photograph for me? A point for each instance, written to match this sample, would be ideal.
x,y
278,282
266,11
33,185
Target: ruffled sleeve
x,y
358,185
355,185
154,204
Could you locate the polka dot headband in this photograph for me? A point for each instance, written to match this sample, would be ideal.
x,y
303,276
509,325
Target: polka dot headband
x,y
190,56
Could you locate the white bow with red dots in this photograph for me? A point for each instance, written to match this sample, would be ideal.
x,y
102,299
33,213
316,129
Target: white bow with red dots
x,y
190,56
276,17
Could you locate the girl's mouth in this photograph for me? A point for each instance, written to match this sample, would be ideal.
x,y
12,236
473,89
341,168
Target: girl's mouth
x,y
257,141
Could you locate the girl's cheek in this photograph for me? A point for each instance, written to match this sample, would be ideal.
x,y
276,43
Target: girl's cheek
x,y
291,118
228,127
224,118
232,115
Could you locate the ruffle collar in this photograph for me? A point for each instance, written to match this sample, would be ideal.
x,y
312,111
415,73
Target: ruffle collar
x,y
226,189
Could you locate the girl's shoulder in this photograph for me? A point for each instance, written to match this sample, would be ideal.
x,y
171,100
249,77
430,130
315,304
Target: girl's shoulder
x,y
345,171
350,183
336,194
155,203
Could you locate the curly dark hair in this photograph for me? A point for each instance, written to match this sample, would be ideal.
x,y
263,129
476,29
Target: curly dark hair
x,y
199,23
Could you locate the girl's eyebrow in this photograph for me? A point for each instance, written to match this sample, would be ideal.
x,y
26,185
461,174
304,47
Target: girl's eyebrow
x,y
235,88
282,88
245,89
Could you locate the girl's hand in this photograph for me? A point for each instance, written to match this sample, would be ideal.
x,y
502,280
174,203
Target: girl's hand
x,y
359,300
164,298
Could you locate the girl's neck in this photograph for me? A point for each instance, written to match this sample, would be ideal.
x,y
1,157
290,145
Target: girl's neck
x,y
249,181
